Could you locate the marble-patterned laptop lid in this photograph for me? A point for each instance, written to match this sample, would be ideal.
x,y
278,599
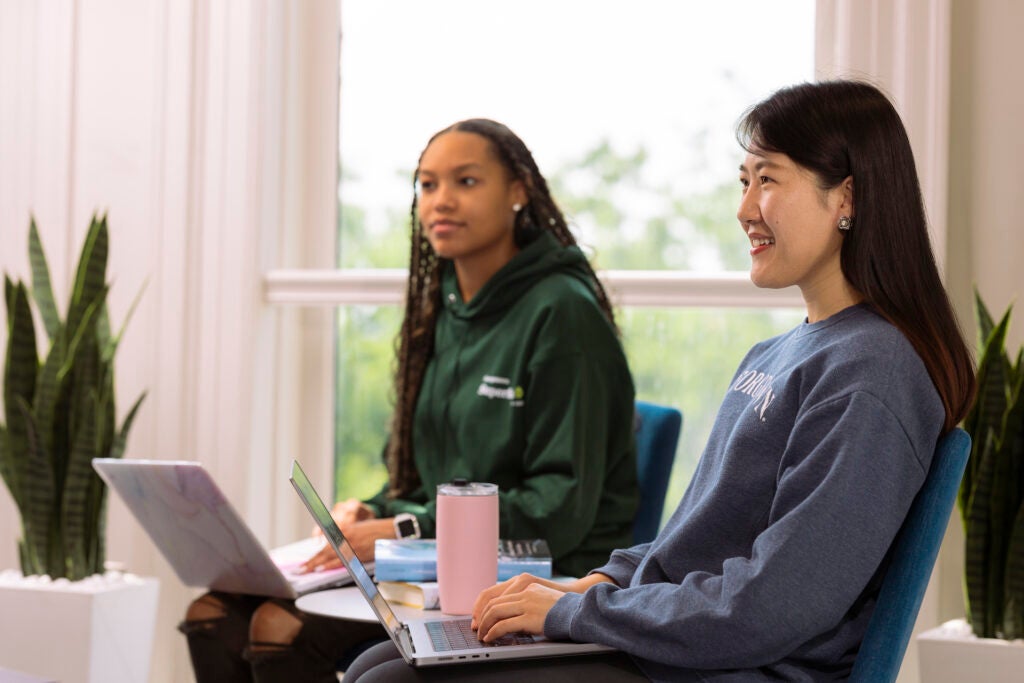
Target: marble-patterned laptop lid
x,y
201,535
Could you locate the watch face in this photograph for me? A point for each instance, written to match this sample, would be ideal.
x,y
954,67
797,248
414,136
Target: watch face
x,y
406,528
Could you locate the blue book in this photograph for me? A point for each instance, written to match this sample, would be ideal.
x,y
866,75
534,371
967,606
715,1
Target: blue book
x,y
415,559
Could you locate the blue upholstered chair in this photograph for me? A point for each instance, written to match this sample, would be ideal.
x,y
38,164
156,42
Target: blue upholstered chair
x,y
915,549
657,433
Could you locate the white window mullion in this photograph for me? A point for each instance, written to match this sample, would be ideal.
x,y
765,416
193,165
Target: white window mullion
x,y
665,289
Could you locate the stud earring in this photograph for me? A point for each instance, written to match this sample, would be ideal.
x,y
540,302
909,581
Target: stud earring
x,y
517,207
845,223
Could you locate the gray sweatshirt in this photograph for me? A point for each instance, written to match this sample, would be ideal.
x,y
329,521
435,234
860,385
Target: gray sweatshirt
x,y
770,566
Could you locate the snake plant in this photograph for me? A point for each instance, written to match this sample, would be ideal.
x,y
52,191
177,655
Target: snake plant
x,y
59,412
992,491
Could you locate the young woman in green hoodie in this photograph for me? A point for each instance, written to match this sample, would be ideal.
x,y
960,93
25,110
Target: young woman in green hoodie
x,y
510,371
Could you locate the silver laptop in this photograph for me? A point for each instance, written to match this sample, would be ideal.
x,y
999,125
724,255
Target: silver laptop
x,y
202,536
430,640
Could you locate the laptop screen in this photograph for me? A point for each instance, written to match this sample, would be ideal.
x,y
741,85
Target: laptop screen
x,y
333,534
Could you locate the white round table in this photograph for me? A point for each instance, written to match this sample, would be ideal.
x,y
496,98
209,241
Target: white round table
x,y
349,603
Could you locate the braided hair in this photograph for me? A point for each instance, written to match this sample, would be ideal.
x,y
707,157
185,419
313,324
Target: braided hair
x,y
423,290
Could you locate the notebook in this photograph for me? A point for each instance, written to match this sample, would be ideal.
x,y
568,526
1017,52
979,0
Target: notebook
x,y
201,535
430,640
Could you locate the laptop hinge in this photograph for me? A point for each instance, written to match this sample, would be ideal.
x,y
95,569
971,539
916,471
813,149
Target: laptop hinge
x,y
407,637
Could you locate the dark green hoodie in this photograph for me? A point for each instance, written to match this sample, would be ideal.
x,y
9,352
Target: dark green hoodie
x,y
529,389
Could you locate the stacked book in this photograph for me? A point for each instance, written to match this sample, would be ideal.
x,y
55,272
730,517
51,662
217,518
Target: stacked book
x,y
415,559
406,569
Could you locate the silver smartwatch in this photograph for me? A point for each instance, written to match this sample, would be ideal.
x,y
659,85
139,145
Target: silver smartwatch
x,y
406,525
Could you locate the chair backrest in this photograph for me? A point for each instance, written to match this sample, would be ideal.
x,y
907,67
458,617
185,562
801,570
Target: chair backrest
x,y
914,551
657,433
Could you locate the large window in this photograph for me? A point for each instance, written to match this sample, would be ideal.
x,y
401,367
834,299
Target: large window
x,y
629,109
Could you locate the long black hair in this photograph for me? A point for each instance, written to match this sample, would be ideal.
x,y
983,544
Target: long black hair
x,y
423,291
844,128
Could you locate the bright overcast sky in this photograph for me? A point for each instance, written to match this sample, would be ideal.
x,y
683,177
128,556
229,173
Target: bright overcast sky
x,y
563,74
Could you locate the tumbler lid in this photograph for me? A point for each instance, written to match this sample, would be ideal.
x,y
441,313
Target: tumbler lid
x,y
462,487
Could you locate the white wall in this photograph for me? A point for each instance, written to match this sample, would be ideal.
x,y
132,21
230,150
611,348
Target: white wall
x,y
987,146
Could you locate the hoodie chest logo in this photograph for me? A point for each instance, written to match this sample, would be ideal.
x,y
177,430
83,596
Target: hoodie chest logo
x,y
500,388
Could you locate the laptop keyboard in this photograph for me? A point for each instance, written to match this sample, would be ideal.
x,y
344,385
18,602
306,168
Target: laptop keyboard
x,y
457,634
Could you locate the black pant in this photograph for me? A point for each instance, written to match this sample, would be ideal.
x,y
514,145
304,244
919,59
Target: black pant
x,y
221,652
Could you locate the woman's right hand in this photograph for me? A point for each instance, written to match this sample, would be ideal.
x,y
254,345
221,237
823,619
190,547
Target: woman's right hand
x,y
518,584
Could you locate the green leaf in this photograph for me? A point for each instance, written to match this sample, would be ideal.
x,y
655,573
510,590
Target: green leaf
x,y
50,398
42,291
103,332
117,449
1012,447
1001,512
20,365
85,328
82,371
8,296
8,468
21,359
989,405
39,499
23,558
97,513
1013,610
92,267
978,544
985,323
76,489
110,345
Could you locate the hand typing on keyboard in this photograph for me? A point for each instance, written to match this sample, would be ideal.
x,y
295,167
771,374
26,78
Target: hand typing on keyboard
x,y
522,603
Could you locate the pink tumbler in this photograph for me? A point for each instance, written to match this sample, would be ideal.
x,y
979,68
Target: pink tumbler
x,y
467,543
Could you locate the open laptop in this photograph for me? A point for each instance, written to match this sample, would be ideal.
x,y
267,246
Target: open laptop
x,y
202,536
430,640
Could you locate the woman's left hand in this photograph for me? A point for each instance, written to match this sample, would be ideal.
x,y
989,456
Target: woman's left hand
x,y
522,612
361,536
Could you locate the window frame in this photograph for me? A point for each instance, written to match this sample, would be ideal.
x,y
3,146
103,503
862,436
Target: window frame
x,y
628,288
901,45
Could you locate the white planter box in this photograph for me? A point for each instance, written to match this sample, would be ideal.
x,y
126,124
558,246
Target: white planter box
x,y
951,653
91,631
